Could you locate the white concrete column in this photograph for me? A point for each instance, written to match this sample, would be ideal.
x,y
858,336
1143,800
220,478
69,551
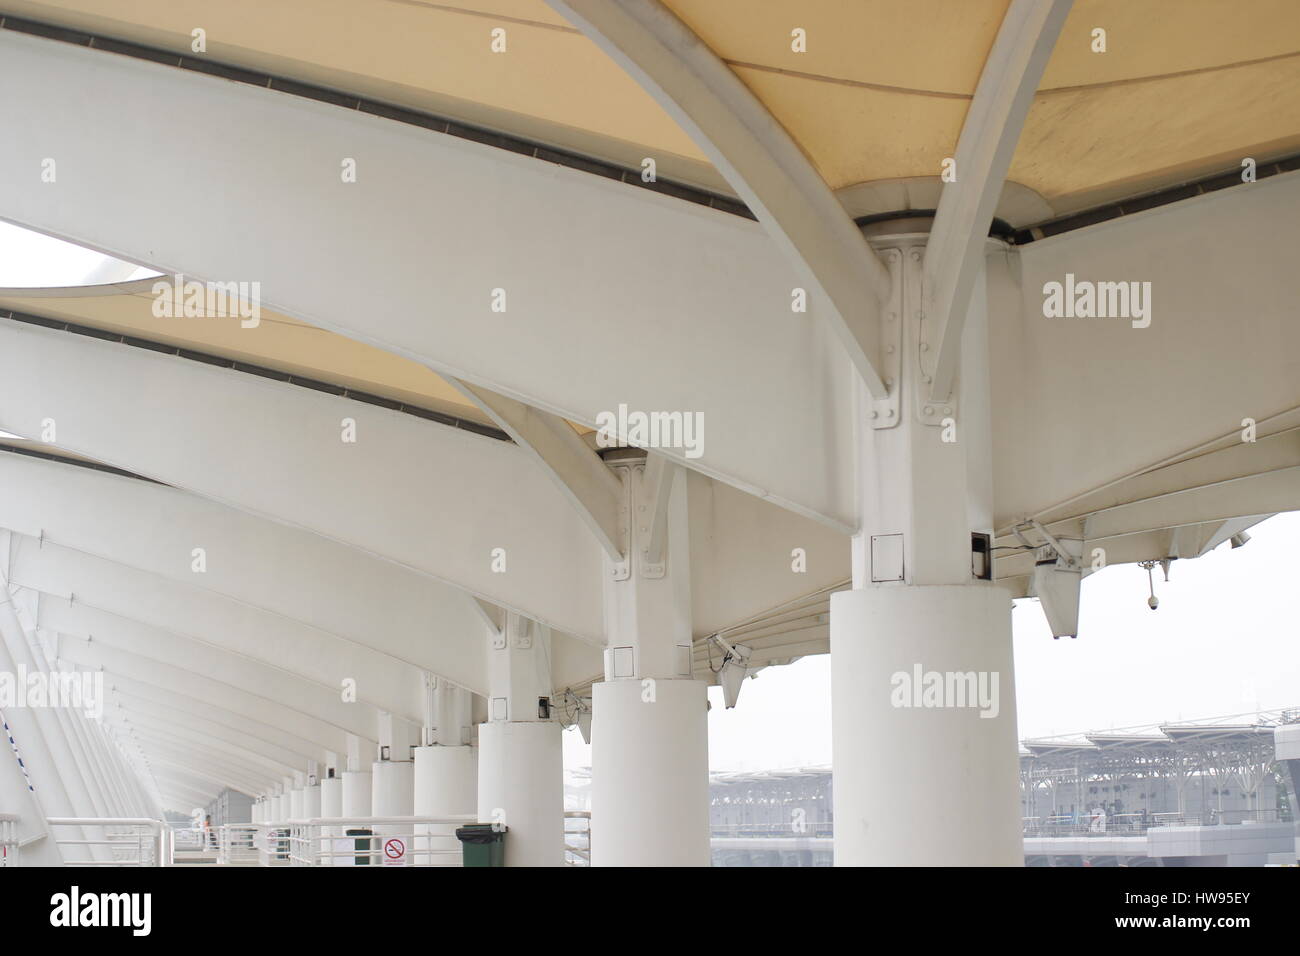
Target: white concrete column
x,y
331,797
520,785
357,791
446,784
331,805
650,774
357,781
649,723
924,731
446,773
923,696
357,788
311,803
393,788
520,763
393,795
393,783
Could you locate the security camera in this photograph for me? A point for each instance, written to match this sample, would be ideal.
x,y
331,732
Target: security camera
x,y
1153,602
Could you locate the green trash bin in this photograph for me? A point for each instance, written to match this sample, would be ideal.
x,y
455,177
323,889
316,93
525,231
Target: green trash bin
x,y
361,846
482,844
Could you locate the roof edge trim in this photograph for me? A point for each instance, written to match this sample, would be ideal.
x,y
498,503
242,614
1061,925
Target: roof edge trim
x,y
248,368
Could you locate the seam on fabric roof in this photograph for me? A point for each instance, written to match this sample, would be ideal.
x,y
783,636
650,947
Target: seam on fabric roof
x,y
483,15
1129,81
843,81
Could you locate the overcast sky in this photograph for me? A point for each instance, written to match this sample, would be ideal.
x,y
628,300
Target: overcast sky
x,y
1225,640
31,260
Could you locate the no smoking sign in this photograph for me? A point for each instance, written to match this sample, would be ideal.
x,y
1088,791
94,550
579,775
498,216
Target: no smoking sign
x,y
394,852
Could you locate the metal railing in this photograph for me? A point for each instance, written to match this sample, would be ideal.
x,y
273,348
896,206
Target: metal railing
x,y
131,841
8,839
1136,824
787,829
237,844
577,838
189,840
362,841
272,844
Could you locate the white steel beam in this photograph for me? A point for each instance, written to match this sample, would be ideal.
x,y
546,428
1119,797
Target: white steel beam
x,y
724,327
656,486
1270,492
468,510
1220,463
204,764
188,609
74,622
252,560
199,741
1081,403
181,791
954,255
295,467
575,469
772,386
162,700
142,711
100,655
758,158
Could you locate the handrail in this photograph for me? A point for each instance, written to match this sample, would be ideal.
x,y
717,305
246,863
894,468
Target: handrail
x,y
324,841
362,821
577,853
102,821
9,844
1136,823
131,841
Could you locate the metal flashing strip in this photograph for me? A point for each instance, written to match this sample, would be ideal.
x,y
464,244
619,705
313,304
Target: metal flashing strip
x,y
488,431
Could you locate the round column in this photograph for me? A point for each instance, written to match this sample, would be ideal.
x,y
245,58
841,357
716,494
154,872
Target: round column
x,y
331,805
331,797
446,784
310,809
926,771
393,795
356,794
521,778
296,803
311,799
393,788
650,799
